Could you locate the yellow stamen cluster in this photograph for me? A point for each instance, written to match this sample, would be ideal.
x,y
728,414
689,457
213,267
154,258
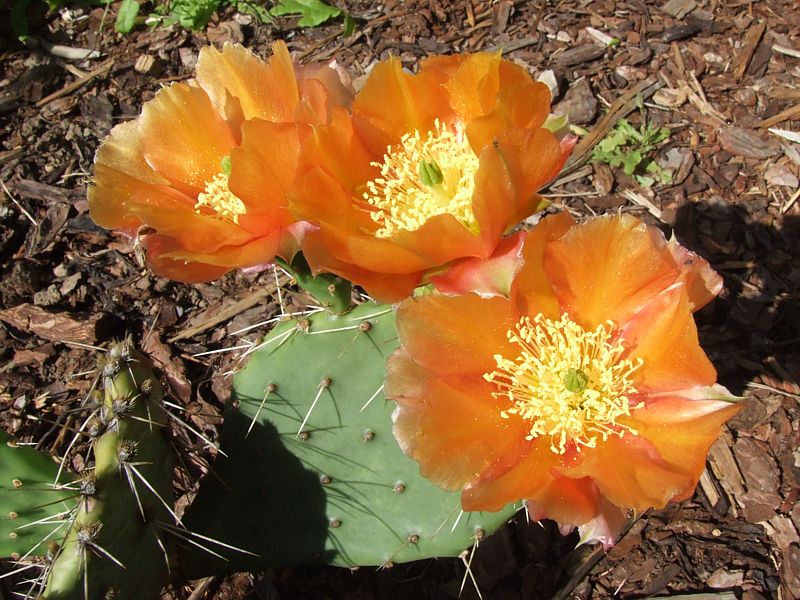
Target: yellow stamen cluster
x,y
571,384
423,177
218,197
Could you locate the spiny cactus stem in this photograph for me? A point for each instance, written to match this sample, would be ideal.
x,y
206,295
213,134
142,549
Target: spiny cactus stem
x,y
331,291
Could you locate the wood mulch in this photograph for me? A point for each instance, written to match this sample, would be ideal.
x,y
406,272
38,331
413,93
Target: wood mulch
x,y
723,76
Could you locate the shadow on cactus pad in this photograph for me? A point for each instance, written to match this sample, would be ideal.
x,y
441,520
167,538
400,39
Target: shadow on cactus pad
x,y
313,474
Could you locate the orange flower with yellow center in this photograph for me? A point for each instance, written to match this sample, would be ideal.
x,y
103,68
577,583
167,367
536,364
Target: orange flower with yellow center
x,y
584,392
428,169
201,177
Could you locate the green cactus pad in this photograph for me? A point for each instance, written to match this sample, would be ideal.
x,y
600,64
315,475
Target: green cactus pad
x,y
30,504
117,545
328,485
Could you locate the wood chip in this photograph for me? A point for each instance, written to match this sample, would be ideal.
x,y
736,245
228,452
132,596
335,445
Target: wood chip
x,y
56,327
746,142
580,55
785,115
745,55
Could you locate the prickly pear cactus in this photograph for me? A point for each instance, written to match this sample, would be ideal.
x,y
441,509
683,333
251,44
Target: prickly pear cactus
x,y
313,473
33,501
117,544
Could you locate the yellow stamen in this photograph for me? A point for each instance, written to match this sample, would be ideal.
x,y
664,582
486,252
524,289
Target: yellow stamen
x,y
568,382
423,177
218,197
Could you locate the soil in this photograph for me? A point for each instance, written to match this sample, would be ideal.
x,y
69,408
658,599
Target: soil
x,y
724,77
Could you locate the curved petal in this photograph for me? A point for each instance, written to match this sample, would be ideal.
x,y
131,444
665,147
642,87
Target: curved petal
x,y
172,215
436,414
630,473
473,86
263,170
175,269
455,334
486,277
259,251
236,74
532,473
108,195
394,102
605,527
568,501
702,283
381,286
525,105
531,290
511,172
608,268
183,137
682,430
663,335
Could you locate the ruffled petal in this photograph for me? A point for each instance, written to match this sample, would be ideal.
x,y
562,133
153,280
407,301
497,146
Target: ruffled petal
x,y
386,287
235,74
608,268
262,172
436,414
511,172
157,246
183,137
663,335
682,430
394,102
630,472
702,283
531,290
485,277
571,502
172,214
456,334
532,473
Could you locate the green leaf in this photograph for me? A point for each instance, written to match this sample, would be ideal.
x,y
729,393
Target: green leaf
x,y
313,12
632,161
126,18
349,25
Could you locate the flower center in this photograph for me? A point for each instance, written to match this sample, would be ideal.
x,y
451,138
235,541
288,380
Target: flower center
x,y
219,199
568,382
424,176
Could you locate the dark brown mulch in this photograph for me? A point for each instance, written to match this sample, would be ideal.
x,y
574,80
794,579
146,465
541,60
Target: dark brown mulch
x,y
728,72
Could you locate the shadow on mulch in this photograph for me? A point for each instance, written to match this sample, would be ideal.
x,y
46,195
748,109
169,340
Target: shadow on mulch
x,y
758,313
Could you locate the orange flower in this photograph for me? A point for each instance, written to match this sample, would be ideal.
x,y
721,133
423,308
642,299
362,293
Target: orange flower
x,y
181,175
584,393
429,168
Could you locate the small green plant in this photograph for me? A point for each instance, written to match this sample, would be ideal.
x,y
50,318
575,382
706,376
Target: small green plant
x,y
631,148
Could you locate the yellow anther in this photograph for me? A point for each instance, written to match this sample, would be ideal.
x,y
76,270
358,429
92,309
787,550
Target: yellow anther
x,y
424,176
571,384
219,198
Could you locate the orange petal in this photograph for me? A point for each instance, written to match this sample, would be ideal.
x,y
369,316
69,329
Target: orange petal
x,y
486,277
452,427
525,105
393,102
608,268
260,251
172,215
263,170
531,289
456,334
531,474
120,169
236,74
510,173
568,501
177,270
682,430
630,473
381,286
663,335
473,87
335,150
702,283
183,138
